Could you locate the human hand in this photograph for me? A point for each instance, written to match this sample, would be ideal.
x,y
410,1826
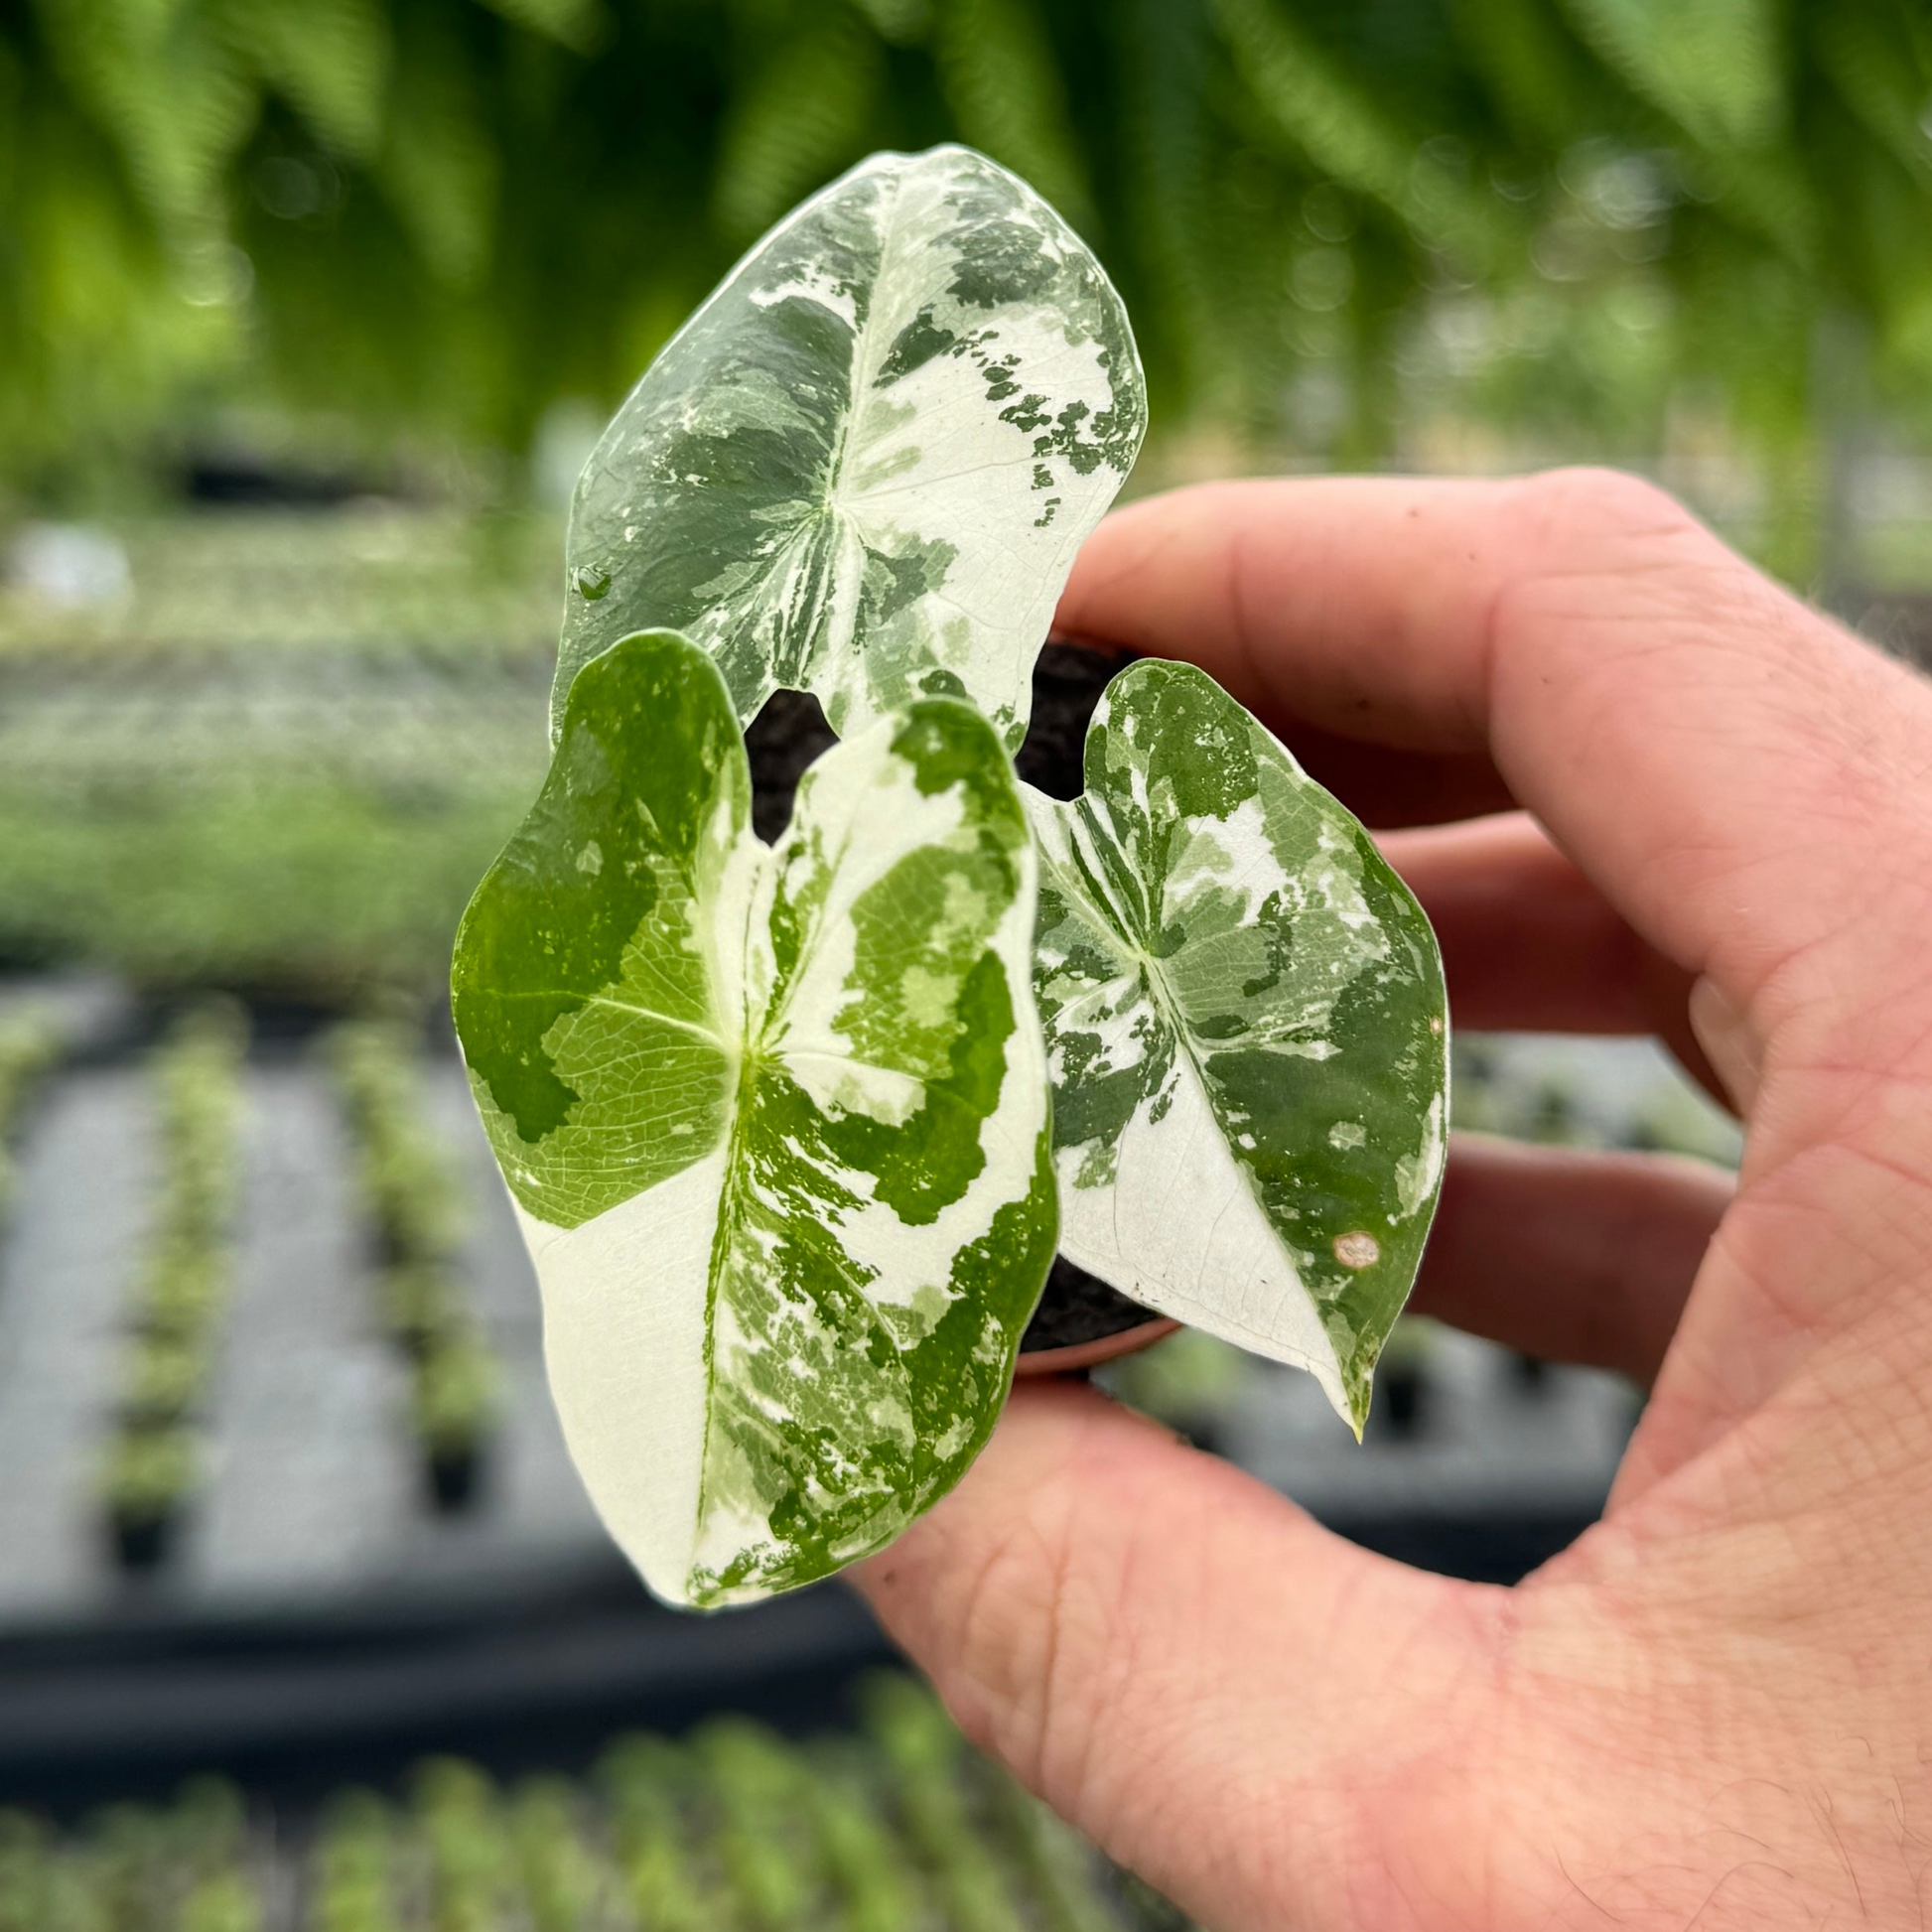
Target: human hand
x,y
1715,1707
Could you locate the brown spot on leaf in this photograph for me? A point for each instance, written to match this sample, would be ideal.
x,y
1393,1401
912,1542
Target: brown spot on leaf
x,y
1357,1249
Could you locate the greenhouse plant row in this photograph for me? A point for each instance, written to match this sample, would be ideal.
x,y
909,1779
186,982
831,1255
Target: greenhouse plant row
x,y
413,1198
894,1827
177,1308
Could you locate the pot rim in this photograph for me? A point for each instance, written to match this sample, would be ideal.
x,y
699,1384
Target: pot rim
x,y
1103,1348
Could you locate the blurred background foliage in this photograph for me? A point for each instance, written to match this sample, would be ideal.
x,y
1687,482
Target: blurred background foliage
x,y
380,269
309,312
1583,224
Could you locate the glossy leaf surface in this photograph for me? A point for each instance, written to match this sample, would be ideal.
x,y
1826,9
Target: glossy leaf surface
x,y
1248,1029
773,1117
864,465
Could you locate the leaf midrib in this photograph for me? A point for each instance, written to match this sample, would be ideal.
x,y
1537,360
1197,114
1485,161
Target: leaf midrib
x,y
868,351
1102,912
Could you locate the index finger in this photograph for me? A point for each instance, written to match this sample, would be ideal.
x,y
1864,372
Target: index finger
x,y
1741,777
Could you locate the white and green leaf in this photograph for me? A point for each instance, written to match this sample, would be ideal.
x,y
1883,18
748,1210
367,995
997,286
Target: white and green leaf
x,y
863,468
774,1118
1248,1031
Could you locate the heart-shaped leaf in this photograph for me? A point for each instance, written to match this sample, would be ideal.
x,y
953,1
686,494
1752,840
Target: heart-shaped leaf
x,y
1249,1035
774,1118
863,466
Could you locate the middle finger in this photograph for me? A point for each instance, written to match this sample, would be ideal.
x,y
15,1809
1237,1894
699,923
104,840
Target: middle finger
x,y
1530,945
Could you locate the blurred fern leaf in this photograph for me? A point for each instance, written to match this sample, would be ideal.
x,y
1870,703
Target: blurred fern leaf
x,y
1347,136
799,120
438,164
1880,58
172,94
1715,66
582,25
328,58
903,23
1002,83
467,215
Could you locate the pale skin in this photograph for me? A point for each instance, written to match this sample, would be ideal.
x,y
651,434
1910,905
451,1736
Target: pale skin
x,y
1646,791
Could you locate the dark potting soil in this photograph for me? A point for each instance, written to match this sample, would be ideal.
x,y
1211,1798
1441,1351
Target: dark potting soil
x,y
790,732
1076,1307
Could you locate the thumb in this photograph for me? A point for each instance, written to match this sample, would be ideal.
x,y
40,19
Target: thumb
x,y
1270,1725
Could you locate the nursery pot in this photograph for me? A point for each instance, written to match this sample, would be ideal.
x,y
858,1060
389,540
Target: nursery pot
x,y
1080,1321
142,1542
455,1475
1402,1393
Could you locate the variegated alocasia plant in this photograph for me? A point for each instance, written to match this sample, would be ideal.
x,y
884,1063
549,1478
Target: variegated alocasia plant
x,y
1249,1035
862,469
774,1119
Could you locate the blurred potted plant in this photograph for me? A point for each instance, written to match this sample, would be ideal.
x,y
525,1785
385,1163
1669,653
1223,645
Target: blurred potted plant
x,y
413,1198
145,1486
26,1872
470,1863
354,1868
183,1291
151,1461
420,1302
412,1194
458,1399
1405,1377
209,1830
646,1784
30,1043
562,1885
162,1378
413,1204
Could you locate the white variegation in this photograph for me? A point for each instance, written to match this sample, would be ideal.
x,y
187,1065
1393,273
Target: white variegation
x,y
628,1370
863,468
1248,1035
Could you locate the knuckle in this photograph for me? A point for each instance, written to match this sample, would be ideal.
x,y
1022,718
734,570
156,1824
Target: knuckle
x,y
1605,570
1589,503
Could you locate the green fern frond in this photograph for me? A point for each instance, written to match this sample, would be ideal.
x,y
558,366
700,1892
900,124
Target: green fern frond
x,y
1768,194
495,222
802,116
99,339
1334,121
579,24
1717,68
1162,50
327,59
439,166
902,23
1538,77
1883,71
171,93
1003,84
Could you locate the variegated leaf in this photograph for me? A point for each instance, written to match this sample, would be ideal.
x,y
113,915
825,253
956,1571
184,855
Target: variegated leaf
x,y
1248,1032
863,466
773,1117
